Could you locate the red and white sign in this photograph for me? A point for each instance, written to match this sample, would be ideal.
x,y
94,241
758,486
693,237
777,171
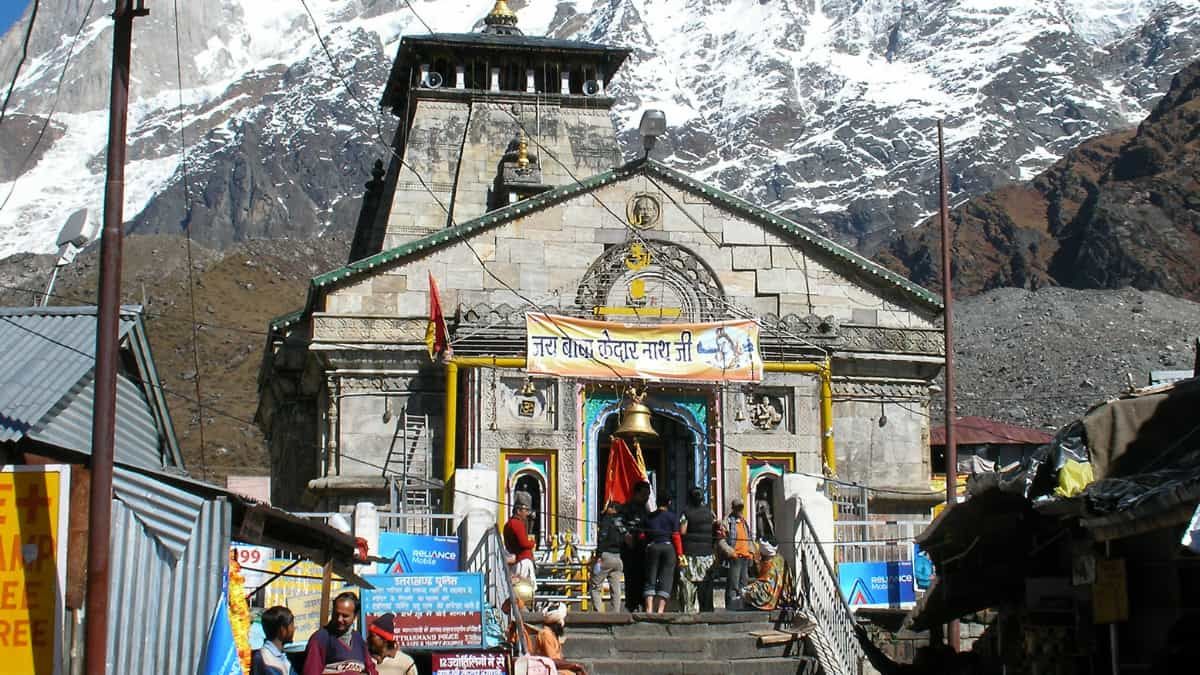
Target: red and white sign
x,y
255,561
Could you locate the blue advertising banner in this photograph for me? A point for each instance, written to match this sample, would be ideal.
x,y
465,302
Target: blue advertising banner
x,y
417,553
432,611
877,584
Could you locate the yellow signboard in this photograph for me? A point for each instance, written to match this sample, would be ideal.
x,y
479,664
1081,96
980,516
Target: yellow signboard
x,y
300,591
725,351
33,527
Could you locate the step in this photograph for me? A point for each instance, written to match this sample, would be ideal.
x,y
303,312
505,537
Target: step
x,y
698,646
765,666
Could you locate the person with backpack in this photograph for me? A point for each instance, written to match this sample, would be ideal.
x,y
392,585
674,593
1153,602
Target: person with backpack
x,y
738,538
607,562
695,577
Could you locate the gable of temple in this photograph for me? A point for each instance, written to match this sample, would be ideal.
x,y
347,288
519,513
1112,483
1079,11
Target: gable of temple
x,y
637,243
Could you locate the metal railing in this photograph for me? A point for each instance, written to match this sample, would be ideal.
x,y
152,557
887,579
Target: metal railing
x,y
417,523
490,559
875,540
835,639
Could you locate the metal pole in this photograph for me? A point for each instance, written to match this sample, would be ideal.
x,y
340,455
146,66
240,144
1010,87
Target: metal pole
x,y
948,332
107,324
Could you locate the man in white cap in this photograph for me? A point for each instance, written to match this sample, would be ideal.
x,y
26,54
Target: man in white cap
x,y
550,639
517,540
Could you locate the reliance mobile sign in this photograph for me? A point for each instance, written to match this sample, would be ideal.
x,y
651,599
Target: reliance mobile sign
x,y
877,584
423,554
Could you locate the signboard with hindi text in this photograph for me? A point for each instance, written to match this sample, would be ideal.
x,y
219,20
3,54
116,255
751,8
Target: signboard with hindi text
x,y
33,572
432,611
299,589
470,663
724,351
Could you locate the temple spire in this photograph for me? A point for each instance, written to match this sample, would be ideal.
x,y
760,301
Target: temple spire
x,y
501,20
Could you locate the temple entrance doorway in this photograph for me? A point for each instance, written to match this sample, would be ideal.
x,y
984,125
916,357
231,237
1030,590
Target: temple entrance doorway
x,y
670,458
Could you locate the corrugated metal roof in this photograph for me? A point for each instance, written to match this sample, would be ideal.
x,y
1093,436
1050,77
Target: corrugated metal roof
x,y
168,555
47,351
47,388
984,431
69,424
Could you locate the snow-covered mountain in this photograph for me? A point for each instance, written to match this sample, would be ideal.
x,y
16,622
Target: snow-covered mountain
x,y
824,109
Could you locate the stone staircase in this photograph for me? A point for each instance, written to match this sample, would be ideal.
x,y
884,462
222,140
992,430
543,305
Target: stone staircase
x,y
683,644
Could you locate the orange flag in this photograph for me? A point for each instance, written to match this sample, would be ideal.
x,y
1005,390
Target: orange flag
x,y
624,471
436,335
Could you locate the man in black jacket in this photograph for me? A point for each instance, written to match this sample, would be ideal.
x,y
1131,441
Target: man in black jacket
x,y
632,520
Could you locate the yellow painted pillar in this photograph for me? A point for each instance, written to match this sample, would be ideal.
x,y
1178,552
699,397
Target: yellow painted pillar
x,y
449,459
825,372
827,449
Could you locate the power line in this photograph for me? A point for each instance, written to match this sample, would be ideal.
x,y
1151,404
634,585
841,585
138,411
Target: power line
x,y
187,228
21,61
53,107
147,314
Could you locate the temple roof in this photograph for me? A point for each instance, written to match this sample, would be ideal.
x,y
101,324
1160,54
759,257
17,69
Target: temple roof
x,y
773,222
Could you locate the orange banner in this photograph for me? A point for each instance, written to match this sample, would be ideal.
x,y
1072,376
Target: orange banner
x,y
724,351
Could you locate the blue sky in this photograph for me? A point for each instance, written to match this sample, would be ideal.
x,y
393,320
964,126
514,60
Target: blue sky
x,y
10,12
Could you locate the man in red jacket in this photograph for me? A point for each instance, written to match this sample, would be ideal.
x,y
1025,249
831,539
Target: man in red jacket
x,y
517,540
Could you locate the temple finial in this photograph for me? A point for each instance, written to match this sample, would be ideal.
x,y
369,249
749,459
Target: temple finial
x,y
501,20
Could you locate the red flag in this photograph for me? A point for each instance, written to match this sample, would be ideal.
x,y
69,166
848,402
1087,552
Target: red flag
x,y
436,336
624,471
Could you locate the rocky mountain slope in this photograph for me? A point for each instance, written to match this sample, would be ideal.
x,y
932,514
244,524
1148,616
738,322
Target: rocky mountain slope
x,y
1032,358
824,109
237,292
1121,210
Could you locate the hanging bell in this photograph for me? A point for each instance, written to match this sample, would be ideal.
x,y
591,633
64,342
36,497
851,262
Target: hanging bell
x,y
635,421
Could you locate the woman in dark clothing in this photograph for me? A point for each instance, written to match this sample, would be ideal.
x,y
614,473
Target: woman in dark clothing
x,y
663,549
695,576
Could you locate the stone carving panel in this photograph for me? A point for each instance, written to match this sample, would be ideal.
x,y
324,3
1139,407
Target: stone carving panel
x,y
332,328
765,410
653,274
525,402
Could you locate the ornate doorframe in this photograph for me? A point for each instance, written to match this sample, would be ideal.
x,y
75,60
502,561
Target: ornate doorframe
x,y
542,466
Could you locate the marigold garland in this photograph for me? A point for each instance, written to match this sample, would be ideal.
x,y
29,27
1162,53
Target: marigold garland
x,y
239,613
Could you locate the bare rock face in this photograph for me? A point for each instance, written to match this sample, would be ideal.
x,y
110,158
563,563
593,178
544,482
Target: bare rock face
x,y
822,110
1121,210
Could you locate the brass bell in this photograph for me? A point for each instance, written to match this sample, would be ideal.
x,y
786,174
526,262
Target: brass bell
x,y
524,590
635,419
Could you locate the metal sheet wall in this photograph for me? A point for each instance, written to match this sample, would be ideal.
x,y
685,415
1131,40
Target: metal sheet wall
x,y
169,551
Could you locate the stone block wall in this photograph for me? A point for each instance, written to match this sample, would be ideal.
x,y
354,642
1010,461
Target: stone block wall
x,y
455,145
548,251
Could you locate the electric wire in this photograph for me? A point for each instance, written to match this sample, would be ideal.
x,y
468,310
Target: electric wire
x,y
250,423
53,107
542,149
20,61
187,229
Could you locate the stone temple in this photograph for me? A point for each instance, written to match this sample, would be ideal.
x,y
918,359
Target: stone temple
x,y
508,188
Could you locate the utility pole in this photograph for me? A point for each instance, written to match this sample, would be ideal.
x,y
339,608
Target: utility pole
x,y
948,331
108,321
